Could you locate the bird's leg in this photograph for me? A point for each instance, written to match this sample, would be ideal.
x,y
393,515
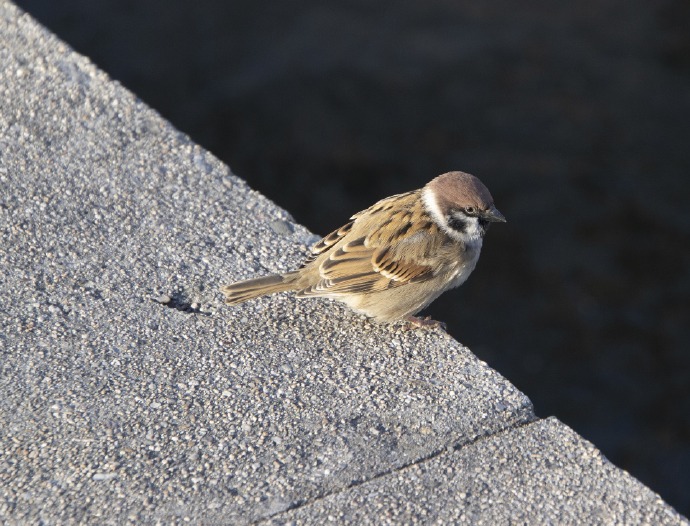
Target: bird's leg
x,y
425,323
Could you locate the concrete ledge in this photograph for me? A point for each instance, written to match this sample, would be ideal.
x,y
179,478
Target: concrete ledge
x,y
130,393
541,473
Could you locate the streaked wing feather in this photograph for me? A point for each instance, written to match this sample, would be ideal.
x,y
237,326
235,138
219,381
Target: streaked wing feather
x,y
328,241
379,258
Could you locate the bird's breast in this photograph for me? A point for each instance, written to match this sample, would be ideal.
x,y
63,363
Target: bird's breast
x,y
464,264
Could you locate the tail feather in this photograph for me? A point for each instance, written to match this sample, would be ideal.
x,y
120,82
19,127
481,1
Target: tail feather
x,y
253,288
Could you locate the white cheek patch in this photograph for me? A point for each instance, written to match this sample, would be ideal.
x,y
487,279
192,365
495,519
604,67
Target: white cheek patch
x,y
473,231
431,206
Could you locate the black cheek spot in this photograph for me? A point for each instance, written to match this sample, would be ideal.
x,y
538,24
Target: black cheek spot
x,y
457,224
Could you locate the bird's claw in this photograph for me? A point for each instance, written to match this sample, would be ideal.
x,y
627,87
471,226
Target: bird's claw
x,y
425,323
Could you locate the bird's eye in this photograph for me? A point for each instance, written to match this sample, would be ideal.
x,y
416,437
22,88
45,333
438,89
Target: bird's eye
x,y
470,210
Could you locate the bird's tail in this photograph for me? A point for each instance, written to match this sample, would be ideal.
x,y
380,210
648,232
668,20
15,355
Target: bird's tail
x,y
253,288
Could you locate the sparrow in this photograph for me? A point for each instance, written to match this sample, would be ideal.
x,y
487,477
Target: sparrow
x,y
397,256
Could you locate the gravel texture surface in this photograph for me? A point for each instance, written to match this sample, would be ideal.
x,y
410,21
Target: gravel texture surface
x,y
576,115
128,392
542,473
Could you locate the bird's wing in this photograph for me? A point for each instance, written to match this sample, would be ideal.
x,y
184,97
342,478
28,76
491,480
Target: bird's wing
x,y
328,241
385,246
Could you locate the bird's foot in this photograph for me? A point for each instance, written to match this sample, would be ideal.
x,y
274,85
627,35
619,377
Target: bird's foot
x,y
425,323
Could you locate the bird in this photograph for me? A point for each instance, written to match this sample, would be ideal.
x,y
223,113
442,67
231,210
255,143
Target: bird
x,y
393,259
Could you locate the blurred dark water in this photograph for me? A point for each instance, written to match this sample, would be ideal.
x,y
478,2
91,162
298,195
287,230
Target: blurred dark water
x,y
575,114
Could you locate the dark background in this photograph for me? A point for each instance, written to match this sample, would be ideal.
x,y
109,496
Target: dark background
x,y
575,114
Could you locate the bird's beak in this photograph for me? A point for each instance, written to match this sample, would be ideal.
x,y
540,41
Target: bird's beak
x,y
493,215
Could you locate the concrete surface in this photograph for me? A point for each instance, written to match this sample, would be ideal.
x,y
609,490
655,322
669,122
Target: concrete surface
x,y
541,473
129,393
564,110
